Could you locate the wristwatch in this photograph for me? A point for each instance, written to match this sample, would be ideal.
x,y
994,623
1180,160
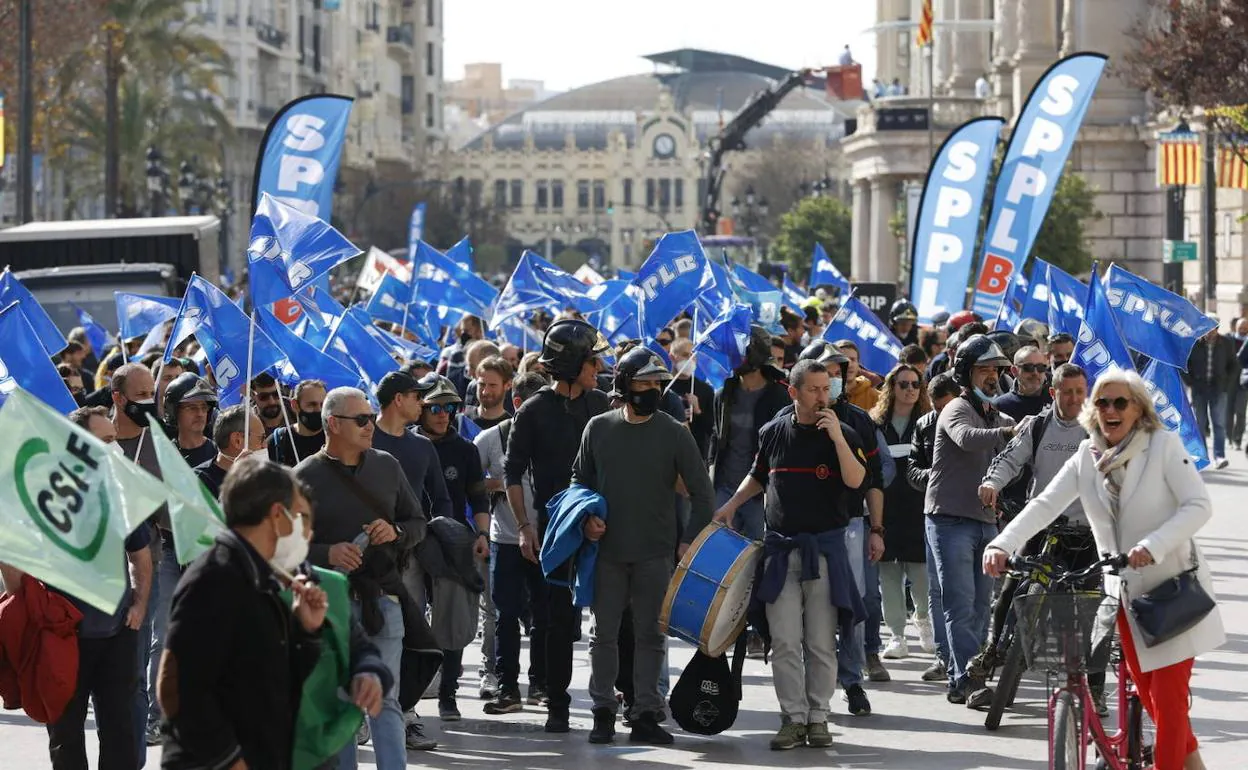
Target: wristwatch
x,y
878,531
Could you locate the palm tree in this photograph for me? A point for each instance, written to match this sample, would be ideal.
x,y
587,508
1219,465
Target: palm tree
x,y
159,78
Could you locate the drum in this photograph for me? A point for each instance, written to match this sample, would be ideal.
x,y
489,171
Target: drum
x,y
709,595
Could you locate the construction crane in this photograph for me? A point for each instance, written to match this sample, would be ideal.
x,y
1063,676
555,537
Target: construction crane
x,y
732,137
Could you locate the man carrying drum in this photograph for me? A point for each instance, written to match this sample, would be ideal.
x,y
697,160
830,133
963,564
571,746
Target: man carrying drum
x,y
807,462
633,457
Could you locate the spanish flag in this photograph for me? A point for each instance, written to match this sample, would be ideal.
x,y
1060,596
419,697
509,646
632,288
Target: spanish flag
x,y
925,25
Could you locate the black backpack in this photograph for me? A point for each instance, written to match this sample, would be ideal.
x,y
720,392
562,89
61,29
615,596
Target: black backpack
x,y
705,699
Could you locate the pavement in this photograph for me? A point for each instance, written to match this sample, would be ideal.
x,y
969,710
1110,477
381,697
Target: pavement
x,y
912,727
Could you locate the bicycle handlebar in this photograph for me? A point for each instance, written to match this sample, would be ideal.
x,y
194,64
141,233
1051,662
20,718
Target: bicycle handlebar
x,y
1058,574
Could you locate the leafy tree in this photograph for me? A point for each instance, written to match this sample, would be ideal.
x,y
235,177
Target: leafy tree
x,y
570,259
1061,240
781,173
813,220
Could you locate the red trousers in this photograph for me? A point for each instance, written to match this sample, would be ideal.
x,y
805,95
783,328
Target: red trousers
x,y
1164,693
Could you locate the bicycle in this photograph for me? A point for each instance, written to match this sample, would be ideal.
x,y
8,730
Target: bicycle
x,y
1058,541
1056,630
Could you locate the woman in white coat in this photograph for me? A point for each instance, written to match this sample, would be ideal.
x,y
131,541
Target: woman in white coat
x,y
1143,497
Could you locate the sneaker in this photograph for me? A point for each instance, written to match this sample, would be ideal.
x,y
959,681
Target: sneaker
x,y
604,726
416,738
876,671
448,711
856,697
489,686
956,695
646,729
896,649
506,702
936,672
817,735
362,735
1220,463
754,645
537,696
927,637
1100,701
557,722
151,736
791,736
979,698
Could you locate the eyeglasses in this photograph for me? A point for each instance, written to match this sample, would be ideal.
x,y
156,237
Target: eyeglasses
x,y
909,384
269,396
449,409
1120,404
361,420
1034,368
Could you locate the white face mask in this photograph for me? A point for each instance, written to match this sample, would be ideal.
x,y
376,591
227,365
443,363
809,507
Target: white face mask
x,y
291,549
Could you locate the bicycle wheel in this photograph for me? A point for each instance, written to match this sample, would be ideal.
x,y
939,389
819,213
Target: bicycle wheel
x,y
1064,743
1139,755
1007,685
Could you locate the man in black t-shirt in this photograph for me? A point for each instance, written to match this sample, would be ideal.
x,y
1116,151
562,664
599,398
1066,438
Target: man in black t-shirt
x,y
806,462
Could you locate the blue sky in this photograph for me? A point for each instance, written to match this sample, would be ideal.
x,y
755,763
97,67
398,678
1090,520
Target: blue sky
x,y
570,43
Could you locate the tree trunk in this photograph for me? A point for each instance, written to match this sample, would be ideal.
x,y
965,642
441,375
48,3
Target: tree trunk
x,y
112,152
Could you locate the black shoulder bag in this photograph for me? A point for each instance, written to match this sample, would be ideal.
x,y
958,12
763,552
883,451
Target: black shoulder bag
x,y
1173,607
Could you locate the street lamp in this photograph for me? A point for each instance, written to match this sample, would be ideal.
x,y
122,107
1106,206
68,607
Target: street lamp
x,y
750,213
157,178
186,185
223,202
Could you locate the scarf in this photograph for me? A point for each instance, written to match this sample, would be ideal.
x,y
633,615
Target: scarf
x,y
1112,461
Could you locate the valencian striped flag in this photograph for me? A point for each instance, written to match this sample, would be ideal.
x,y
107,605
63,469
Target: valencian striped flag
x,y
925,26
1178,159
1232,171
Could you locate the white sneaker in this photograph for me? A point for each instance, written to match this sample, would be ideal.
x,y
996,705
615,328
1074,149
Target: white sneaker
x,y
1220,462
896,649
927,639
489,686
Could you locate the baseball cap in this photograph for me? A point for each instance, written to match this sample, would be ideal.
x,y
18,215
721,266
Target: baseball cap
x,y
392,385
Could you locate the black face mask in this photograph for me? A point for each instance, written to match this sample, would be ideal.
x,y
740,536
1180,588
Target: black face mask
x,y
311,421
138,412
645,402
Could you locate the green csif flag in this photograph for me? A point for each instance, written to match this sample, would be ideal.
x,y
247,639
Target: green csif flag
x,y
68,501
193,512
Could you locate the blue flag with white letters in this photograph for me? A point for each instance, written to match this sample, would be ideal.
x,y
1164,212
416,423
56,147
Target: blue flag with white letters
x,y
514,331
625,275
760,294
12,290
726,338
1175,411
715,300
138,313
1034,160
303,361
537,284
461,254
475,294
1036,300
289,250
415,230
1067,301
878,347
1158,323
1099,346
226,335
24,361
794,297
389,300
97,335
943,247
300,152
676,271
350,341
823,272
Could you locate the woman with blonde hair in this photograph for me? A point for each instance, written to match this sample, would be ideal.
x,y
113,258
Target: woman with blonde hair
x,y
903,401
1143,497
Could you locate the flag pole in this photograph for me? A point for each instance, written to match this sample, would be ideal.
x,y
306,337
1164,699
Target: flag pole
x,y
251,346
289,432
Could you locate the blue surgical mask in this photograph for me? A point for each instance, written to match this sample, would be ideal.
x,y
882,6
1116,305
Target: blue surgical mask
x,y
987,399
836,386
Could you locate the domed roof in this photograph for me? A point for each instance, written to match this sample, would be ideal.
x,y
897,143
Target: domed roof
x,y
592,112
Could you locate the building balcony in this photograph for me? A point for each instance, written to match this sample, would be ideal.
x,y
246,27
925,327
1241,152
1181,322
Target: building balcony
x,y
402,36
911,113
270,35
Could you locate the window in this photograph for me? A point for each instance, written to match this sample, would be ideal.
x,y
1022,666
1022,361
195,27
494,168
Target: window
x,y
628,193
665,194
542,195
429,56
600,195
475,192
316,47
650,196
430,17
556,194
302,56
679,194
500,193
517,193
582,195
701,190
407,89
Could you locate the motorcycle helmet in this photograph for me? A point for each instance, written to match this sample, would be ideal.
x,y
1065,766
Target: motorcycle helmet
x,y
639,364
434,388
902,310
827,354
1032,331
962,318
1007,341
757,351
184,389
568,344
979,350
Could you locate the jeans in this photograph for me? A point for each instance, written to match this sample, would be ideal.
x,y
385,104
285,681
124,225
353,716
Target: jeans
x,y
803,642
389,735
1211,407
851,653
108,676
893,576
511,577
958,546
935,606
641,587
488,620
164,582
1237,405
749,519
875,610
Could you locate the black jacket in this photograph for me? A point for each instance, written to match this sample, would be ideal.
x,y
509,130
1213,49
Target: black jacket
x,y
703,425
234,665
903,504
775,397
1225,366
922,449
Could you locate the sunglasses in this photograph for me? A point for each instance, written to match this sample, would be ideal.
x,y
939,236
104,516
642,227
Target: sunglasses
x,y
909,385
273,396
1120,404
1034,368
449,409
664,342
361,420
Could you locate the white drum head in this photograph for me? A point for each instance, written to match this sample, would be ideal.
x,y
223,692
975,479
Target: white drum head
x,y
727,617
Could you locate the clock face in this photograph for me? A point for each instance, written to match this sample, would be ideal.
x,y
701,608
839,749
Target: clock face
x,y
664,146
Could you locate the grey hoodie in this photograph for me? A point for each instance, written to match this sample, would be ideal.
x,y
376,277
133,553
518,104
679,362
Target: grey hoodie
x,y
1058,444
